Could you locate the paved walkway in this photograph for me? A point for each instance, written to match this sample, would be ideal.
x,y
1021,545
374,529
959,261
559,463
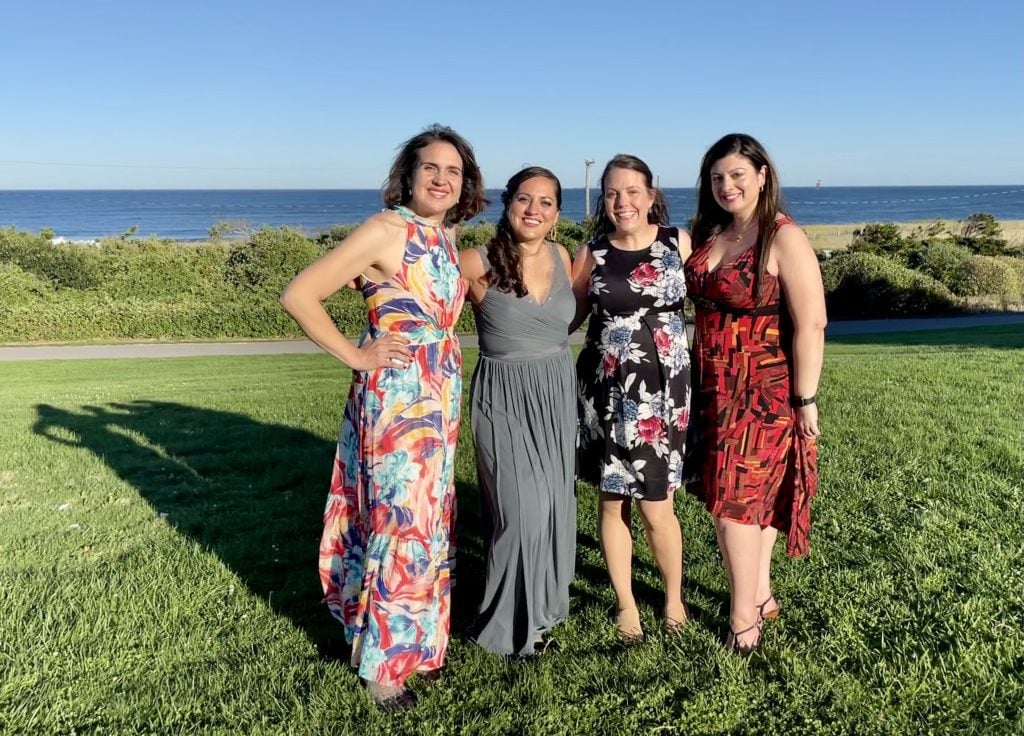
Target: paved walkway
x,y
290,347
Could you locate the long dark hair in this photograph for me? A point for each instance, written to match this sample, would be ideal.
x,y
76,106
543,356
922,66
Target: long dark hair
x,y
712,219
398,187
503,250
658,214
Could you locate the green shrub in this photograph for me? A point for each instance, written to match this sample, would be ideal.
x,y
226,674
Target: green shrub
x,y
982,234
19,287
473,236
161,270
268,260
1017,264
862,285
887,240
992,276
947,262
330,238
64,265
570,234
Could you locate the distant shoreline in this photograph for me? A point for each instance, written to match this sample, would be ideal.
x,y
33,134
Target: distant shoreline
x,y
188,215
785,188
822,236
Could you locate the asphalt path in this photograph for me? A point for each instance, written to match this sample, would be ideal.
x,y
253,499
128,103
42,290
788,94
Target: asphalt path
x,y
292,347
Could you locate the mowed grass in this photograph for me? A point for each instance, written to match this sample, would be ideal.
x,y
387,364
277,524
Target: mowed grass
x,y
159,522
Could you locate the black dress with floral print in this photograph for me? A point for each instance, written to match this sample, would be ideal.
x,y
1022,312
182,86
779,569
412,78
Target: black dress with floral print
x,y
634,371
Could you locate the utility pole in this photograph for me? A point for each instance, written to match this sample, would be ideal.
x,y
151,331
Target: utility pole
x,y
586,187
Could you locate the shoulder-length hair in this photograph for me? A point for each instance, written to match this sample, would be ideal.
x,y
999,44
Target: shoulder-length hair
x,y
503,250
398,187
711,219
658,214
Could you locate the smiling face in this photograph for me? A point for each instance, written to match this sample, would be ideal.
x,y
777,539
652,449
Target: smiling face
x,y
627,199
436,180
533,210
736,184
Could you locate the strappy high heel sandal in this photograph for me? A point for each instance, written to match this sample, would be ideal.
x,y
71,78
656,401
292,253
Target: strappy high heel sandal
x,y
673,625
774,613
732,641
626,630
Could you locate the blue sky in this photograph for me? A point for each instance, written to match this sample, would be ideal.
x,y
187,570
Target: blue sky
x,y
318,94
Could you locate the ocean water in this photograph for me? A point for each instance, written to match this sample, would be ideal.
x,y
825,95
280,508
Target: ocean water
x,y
188,214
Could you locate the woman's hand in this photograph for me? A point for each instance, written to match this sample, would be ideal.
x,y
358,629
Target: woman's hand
x,y
807,421
388,351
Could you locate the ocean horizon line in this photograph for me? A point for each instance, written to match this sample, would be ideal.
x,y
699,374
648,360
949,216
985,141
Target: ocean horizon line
x,y
498,189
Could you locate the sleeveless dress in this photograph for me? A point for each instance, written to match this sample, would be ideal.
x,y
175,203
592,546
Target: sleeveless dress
x,y
634,371
752,465
524,427
386,547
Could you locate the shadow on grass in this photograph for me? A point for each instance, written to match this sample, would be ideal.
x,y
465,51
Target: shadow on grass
x,y
1001,336
253,494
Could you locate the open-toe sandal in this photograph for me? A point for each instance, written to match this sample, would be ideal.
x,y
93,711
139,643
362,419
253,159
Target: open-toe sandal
x,y
773,613
626,630
732,641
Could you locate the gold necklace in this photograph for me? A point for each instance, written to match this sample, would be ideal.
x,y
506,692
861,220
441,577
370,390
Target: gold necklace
x,y
739,236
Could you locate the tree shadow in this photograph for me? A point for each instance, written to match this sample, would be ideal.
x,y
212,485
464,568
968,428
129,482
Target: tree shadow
x,y
1004,336
250,492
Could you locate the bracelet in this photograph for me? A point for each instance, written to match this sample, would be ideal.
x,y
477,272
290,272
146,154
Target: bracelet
x,y
798,401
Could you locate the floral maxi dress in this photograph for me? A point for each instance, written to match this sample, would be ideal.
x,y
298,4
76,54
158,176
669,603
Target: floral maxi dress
x,y
634,371
387,541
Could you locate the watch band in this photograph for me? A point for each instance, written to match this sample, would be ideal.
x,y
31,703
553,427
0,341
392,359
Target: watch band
x,y
799,401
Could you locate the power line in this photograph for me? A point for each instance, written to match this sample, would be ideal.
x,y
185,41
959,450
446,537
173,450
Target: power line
x,y
179,168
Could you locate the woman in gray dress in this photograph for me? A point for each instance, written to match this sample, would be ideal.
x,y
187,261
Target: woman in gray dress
x,y
523,416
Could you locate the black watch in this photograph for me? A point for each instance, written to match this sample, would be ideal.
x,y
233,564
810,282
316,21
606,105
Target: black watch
x,y
799,401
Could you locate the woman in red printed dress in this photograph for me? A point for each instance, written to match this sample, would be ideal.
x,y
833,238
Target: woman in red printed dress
x,y
760,335
385,552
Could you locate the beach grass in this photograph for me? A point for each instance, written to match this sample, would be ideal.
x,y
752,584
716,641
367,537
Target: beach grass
x,y
159,522
839,237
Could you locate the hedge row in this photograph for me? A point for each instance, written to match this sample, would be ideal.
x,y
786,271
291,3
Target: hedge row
x,y
866,286
153,289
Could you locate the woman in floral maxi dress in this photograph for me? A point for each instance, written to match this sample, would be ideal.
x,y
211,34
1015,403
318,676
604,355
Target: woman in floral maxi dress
x,y
386,547
634,380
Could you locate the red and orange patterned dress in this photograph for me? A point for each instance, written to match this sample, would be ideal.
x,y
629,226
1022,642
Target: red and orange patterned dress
x,y
387,542
754,467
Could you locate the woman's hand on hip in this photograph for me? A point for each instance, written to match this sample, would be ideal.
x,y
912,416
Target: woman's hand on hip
x,y
387,351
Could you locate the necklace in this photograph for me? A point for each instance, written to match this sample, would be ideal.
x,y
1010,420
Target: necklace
x,y
739,236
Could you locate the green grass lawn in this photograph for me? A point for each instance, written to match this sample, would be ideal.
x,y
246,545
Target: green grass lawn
x,y
159,522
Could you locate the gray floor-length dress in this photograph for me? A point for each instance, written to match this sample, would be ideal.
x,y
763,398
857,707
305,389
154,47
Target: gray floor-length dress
x,y
523,401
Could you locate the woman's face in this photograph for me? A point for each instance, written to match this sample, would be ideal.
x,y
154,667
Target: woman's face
x,y
627,199
736,184
533,210
436,181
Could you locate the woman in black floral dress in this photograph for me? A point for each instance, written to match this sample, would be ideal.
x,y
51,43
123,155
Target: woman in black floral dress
x,y
634,379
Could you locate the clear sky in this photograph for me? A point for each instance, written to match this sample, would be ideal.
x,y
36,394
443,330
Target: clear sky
x,y
219,94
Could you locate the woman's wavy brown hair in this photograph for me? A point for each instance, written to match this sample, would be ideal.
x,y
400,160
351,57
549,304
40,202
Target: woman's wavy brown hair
x,y
658,214
711,219
503,250
398,187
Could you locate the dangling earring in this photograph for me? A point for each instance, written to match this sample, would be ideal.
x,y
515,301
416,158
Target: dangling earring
x,y
553,235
